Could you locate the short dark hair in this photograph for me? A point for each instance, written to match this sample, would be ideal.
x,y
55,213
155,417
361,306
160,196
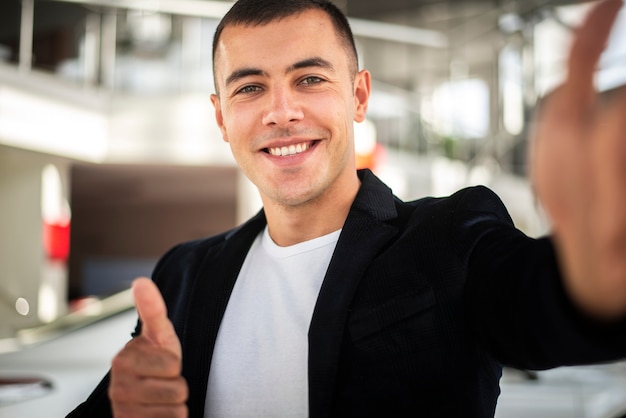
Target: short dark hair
x,y
261,12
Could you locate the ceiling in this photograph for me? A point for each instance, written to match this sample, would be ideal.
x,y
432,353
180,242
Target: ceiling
x,y
471,27
375,8
367,9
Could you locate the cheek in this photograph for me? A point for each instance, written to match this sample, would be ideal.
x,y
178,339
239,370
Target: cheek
x,y
241,116
237,132
231,124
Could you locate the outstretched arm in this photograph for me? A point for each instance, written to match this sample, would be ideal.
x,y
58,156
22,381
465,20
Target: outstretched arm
x,y
579,172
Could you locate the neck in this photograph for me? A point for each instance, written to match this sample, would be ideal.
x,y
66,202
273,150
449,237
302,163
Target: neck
x,y
289,225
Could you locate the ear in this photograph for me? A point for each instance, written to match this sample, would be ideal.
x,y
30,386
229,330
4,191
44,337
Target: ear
x,y
219,118
362,90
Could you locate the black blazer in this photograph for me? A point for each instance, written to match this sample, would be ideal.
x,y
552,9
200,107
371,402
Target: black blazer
x,y
421,304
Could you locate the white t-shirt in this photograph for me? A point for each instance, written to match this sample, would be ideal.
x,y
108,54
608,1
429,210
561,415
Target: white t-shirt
x,y
259,366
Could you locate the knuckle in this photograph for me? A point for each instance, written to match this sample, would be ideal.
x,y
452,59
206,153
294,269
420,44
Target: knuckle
x,y
119,362
180,411
184,389
181,392
168,364
128,355
119,392
121,411
140,357
174,391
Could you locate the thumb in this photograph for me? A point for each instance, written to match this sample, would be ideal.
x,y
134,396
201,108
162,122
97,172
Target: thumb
x,y
156,326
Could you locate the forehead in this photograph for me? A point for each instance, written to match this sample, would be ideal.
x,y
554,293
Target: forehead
x,y
279,42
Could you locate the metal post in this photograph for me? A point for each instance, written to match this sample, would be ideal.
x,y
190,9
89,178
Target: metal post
x,y
108,48
26,35
91,49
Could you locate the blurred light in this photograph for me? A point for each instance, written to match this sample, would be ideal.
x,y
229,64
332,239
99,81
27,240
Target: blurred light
x,y
94,308
204,8
22,306
552,40
396,179
398,33
612,72
479,174
33,122
510,23
511,79
56,238
52,297
461,109
513,108
366,148
364,137
54,206
150,29
48,307
55,214
447,176
196,141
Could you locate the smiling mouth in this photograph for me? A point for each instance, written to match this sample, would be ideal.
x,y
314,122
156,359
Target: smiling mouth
x,y
290,149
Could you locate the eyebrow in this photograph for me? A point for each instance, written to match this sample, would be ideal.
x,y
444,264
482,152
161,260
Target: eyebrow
x,y
311,62
244,72
306,63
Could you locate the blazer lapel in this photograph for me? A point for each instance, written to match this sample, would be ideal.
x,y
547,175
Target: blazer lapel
x,y
215,281
364,234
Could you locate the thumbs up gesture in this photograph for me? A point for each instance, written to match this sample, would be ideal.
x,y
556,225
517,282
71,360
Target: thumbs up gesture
x,y
146,376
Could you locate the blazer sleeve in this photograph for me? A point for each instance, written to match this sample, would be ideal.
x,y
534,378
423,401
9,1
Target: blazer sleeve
x,y
516,301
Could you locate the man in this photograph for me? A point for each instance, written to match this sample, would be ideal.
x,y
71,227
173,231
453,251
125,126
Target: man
x,y
338,299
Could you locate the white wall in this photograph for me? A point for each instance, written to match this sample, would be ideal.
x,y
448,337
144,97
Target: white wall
x,y
22,258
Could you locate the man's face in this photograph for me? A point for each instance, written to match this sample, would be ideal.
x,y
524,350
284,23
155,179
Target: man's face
x,y
286,105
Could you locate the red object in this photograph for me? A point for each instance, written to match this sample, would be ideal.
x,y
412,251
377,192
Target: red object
x,y
56,240
370,160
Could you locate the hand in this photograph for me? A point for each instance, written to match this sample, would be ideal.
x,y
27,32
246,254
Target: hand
x,y
146,376
579,172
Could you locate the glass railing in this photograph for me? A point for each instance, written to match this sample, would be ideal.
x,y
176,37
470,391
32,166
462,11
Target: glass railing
x,y
90,311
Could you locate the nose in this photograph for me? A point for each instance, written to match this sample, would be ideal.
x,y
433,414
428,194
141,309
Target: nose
x,y
282,108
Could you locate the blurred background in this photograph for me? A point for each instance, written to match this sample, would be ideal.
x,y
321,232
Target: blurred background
x,y
109,153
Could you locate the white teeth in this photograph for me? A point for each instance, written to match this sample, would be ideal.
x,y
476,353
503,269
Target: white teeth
x,y
289,150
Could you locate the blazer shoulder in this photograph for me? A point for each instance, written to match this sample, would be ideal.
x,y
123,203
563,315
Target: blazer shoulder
x,y
481,199
465,202
178,269
478,195
188,255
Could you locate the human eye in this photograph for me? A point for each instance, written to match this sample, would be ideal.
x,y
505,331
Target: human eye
x,y
248,89
311,80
